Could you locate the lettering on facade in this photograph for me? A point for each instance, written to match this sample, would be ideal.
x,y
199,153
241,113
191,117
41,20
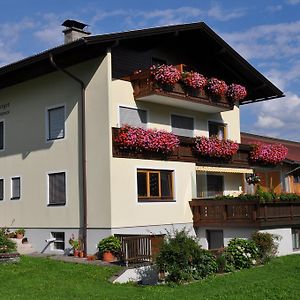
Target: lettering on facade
x,y
4,109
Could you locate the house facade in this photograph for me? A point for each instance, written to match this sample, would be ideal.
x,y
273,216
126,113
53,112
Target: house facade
x,y
63,173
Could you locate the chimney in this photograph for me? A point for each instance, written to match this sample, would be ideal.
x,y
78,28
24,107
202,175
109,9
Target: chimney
x,y
74,30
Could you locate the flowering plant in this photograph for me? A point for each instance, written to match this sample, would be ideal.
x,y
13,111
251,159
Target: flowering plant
x,y
139,139
194,80
253,179
216,86
236,92
268,153
215,147
165,74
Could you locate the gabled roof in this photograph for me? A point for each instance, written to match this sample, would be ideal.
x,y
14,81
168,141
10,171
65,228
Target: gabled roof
x,y
95,46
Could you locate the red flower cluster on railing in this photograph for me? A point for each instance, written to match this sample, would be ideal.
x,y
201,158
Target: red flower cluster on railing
x,y
169,75
194,80
166,74
217,87
268,153
236,92
152,140
214,147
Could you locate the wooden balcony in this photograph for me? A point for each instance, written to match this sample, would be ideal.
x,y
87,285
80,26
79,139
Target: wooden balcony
x,y
237,213
145,89
185,152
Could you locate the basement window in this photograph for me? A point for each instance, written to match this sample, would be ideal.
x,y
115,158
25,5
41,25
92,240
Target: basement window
x,y
59,243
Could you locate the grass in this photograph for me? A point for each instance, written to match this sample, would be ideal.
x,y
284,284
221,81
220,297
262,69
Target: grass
x,y
41,278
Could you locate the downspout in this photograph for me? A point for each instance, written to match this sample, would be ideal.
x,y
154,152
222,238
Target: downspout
x,y
83,145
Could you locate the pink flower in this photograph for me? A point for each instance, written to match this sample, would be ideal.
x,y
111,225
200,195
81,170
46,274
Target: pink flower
x,y
152,140
165,74
268,153
217,87
214,147
236,92
194,80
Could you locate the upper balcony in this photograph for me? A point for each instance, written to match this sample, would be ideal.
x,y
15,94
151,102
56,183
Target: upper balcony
x,y
176,95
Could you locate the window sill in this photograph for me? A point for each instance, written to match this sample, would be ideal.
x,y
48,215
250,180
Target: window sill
x,y
55,139
15,198
161,200
56,204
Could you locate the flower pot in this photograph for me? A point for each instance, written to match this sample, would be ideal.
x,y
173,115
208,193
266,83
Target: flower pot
x,y
76,253
81,254
108,257
20,235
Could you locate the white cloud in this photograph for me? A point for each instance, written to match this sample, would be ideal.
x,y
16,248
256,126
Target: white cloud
x,y
293,2
274,41
274,8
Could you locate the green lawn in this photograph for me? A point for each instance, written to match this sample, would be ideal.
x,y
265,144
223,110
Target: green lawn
x,y
39,278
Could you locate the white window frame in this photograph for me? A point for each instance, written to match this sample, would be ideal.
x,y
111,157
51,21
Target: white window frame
x,y
52,244
11,187
48,186
132,107
47,128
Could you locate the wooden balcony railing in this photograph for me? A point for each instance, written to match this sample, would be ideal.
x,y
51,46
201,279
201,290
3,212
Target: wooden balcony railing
x,y
185,153
238,213
144,86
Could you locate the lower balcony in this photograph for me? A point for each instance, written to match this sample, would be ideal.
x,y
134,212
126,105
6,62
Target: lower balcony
x,y
238,213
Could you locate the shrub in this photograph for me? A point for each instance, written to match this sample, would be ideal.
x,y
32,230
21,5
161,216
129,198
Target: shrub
x,y
241,254
288,197
6,245
265,196
183,259
267,245
110,244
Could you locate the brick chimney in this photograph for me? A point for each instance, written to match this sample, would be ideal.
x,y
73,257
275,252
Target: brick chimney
x,y
74,30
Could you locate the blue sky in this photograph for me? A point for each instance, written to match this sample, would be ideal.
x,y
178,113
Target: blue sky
x,y
266,33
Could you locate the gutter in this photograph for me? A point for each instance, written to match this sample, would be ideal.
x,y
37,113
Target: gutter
x,y
83,145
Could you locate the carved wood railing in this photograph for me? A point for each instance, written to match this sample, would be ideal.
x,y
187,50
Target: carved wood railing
x,y
239,213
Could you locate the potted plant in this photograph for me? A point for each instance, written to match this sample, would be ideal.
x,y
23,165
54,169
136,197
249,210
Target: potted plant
x,y
109,247
236,92
216,87
165,74
75,244
20,232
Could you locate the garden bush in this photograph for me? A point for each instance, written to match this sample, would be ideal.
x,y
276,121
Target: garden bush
x,y
267,245
6,245
240,254
182,259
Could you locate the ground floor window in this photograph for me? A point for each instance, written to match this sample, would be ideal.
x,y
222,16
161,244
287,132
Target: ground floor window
x,y
59,243
215,239
155,185
296,238
209,185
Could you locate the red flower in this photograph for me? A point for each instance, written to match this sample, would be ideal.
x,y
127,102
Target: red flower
x,y
194,80
236,92
217,87
165,74
268,153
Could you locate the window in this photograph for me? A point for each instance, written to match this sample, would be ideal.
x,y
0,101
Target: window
x,y
57,188
155,185
209,185
1,189
56,123
296,178
182,125
217,129
59,243
15,188
215,239
133,117
296,238
1,135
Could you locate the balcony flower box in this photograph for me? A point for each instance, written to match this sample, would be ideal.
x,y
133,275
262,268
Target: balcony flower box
x,y
236,92
215,148
166,74
137,140
268,154
216,87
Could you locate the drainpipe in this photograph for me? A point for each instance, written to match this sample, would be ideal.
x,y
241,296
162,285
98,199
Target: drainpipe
x,y
83,145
